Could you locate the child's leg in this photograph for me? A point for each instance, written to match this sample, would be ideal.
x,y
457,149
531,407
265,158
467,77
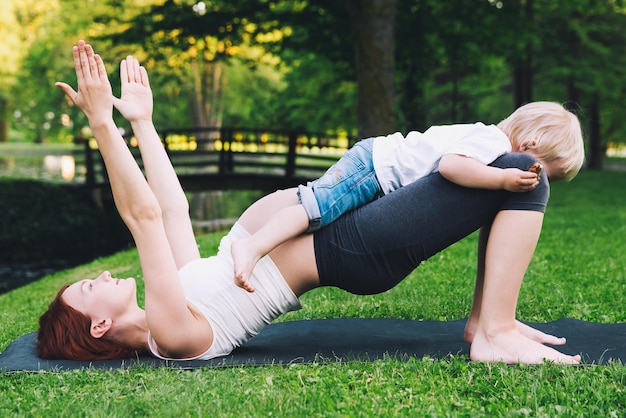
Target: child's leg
x,y
472,321
510,246
287,223
348,184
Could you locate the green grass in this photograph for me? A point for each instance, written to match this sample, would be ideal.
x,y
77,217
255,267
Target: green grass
x,y
579,271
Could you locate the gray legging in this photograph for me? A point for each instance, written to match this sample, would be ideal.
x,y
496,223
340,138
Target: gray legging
x,y
374,247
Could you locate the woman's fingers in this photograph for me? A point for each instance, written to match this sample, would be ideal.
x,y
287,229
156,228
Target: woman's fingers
x,y
83,63
132,72
124,71
133,69
102,72
89,65
68,90
144,76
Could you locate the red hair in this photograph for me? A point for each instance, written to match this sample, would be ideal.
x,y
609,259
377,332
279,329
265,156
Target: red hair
x,y
64,334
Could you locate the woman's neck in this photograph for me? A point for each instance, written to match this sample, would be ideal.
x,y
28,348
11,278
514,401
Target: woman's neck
x,y
132,329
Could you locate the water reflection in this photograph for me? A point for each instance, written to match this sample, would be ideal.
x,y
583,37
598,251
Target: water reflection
x,y
210,210
217,210
65,165
55,168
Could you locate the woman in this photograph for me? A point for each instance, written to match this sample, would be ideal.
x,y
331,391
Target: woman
x,y
193,309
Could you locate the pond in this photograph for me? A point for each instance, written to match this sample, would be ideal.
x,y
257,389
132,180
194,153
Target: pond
x,y
210,211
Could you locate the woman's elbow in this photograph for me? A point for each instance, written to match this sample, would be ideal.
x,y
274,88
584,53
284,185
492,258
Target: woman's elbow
x,y
177,208
142,214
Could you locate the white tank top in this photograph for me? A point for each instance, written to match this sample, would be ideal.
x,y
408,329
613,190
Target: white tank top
x,y
234,314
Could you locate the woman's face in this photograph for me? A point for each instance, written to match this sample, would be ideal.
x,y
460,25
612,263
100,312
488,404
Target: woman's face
x,y
102,297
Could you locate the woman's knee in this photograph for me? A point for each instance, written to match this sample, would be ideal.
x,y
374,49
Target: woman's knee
x,y
519,160
536,199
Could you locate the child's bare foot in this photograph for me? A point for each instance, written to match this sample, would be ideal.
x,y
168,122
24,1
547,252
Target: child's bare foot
x,y
512,347
244,259
526,330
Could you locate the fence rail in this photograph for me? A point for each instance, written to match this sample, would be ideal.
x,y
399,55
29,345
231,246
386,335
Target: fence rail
x,y
229,158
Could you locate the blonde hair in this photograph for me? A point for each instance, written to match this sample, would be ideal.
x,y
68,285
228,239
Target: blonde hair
x,y
555,130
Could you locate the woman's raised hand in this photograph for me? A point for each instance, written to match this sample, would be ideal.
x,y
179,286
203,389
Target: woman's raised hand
x,y
94,96
136,101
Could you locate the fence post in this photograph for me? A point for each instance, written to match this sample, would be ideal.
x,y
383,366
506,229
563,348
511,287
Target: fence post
x,y
226,163
164,135
90,175
290,169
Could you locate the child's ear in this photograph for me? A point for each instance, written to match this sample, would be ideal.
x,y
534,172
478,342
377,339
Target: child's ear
x,y
99,328
526,145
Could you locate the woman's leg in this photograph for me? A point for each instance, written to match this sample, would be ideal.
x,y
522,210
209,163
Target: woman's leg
x,y
472,321
373,248
510,247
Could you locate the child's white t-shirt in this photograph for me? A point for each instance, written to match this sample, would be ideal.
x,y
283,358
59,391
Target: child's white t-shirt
x,y
400,160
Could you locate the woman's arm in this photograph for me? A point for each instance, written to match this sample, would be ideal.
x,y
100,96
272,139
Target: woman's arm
x,y
136,106
173,326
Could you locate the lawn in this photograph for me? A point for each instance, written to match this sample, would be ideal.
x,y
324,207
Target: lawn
x,y
578,271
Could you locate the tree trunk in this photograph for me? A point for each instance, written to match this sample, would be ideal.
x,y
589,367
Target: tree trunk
x,y
372,23
4,126
523,70
596,149
199,115
216,111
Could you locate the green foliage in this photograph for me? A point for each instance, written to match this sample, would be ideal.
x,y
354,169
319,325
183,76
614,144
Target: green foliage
x,y
251,95
317,97
291,63
10,44
43,221
577,271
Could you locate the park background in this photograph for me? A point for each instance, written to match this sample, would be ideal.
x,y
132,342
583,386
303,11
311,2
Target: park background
x,y
365,68
346,69
353,69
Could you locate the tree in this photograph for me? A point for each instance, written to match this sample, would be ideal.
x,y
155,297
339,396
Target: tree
x,y
321,27
372,24
41,109
451,62
586,57
203,46
15,21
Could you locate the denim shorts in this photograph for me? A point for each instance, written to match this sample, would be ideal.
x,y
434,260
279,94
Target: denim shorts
x,y
348,184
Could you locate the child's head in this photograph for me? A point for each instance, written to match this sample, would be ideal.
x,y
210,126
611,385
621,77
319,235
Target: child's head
x,y
550,133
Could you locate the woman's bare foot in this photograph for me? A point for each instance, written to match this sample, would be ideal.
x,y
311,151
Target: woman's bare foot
x,y
512,347
526,330
244,259
538,336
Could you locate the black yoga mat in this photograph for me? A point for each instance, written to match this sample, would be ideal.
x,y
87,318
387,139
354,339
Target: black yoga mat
x,y
344,339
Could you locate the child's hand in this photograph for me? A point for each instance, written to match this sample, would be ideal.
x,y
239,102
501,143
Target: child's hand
x,y
516,180
536,168
136,102
94,96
